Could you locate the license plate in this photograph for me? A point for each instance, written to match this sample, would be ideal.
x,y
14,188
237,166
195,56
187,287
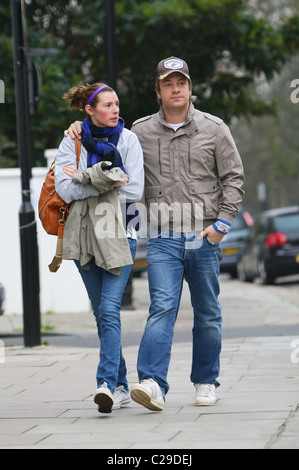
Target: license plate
x,y
229,251
140,263
297,258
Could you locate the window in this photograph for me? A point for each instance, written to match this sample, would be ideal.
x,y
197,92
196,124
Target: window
x,y
287,223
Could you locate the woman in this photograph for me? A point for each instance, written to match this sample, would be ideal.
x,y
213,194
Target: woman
x,y
92,188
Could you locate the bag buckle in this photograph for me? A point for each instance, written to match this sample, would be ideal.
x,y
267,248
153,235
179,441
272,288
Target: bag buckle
x,y
63,212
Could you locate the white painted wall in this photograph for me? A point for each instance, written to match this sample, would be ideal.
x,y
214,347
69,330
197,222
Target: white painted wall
x,y
62,292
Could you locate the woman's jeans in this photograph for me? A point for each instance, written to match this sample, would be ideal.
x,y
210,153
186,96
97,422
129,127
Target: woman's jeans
x,y
170,260
105,291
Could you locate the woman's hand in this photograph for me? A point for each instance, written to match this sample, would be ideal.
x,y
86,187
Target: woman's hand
x,y
69,170
212,234
119,184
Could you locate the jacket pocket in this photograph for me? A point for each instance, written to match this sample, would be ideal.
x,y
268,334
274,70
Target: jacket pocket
x,y
206,192
154,192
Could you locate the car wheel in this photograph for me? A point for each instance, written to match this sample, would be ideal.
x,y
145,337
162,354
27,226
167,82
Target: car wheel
x,y
266,277
241,273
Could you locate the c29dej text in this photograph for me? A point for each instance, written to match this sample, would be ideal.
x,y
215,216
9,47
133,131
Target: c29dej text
x,y
156,459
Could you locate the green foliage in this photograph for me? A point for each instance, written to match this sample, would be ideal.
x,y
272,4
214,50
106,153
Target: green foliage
x,y
224,42
269,145
202,32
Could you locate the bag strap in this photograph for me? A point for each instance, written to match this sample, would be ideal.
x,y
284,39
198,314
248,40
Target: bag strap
x,y
57,260
78,150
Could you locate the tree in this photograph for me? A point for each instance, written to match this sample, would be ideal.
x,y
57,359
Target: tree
x,y
226,45
269,145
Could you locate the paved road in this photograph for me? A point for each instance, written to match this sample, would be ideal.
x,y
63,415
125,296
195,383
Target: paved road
x,y
248,310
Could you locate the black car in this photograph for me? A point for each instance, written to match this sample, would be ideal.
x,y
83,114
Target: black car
x,y
234,241
272,248
2,298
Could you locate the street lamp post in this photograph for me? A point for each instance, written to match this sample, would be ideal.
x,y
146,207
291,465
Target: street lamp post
x,y
28,230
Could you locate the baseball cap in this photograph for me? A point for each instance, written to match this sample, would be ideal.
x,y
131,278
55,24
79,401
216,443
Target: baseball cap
x,y
171,65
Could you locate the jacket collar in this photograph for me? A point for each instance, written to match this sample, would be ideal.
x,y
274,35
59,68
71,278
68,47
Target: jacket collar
x,y
190,128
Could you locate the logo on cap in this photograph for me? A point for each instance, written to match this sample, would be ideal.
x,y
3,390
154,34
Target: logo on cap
x,y
171,65
174,64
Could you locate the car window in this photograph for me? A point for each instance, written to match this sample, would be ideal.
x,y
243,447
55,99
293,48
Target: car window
x,y
239,223
287,222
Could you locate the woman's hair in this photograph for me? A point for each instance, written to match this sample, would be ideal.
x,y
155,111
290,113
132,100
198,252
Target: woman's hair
x,y
79,95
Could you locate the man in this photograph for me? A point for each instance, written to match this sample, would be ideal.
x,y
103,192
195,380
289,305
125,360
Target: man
x,y
190,157
191,162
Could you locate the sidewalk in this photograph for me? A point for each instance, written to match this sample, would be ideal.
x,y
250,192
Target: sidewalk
x,y
46,401
46,392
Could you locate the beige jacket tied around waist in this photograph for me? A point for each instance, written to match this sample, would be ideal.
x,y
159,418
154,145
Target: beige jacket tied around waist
x,y
94,227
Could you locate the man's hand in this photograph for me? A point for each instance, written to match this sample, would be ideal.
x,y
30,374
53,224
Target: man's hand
x,y
212,234
69,170
74,130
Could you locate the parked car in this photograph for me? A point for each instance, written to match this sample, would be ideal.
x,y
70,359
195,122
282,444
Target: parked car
x,y
2,299
234,241
272,248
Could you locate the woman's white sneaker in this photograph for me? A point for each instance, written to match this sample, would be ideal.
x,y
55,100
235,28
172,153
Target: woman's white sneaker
x,y
120,398
205,395
148,393
103,398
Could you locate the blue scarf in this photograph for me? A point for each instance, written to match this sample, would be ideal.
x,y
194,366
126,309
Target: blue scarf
x,y
101,143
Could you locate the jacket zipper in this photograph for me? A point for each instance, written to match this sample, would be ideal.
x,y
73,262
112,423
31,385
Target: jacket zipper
x,y
159,153
189,153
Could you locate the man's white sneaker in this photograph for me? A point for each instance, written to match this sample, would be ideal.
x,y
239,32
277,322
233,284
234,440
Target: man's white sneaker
x,y
121,398
148,393
205,395
104,399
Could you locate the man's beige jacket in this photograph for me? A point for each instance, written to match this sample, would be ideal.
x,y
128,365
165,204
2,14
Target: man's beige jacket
x,y
196,166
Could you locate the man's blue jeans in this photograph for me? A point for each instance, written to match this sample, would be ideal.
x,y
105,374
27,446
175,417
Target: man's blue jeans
x,y
170,260
105,291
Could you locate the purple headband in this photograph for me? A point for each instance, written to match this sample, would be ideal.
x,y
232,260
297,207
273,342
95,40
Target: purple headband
x,y
95,93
